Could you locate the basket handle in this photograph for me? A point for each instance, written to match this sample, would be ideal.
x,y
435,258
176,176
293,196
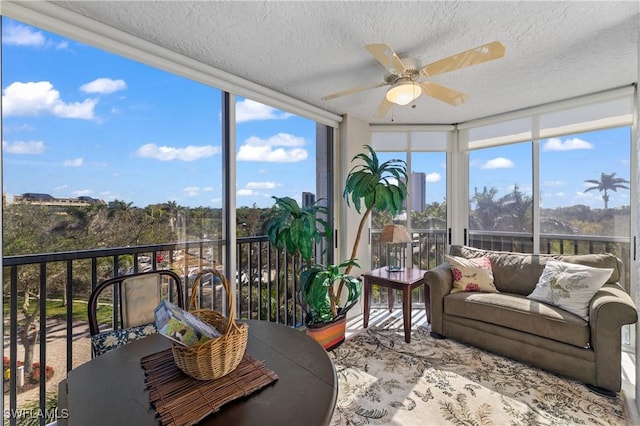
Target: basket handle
x,y
227,288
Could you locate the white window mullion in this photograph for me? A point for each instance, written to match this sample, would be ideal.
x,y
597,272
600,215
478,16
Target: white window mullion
x,y
535,155
458,187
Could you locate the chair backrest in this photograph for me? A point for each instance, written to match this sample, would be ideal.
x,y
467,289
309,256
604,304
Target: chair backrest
x,y
134,298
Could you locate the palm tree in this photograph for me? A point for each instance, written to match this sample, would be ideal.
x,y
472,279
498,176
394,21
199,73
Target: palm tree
x,y
607,183
380,186
487,208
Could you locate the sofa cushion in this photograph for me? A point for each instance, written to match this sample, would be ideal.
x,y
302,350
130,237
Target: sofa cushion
x,y
112,339
471,274
519,272
570,286
519,313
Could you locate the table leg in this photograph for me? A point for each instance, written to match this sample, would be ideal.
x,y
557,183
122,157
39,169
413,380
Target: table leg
x,y
367,302
390,298
406,313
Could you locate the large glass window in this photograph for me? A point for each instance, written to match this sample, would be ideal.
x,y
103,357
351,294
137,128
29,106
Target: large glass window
x,y
428,201
112,165
585,192
117,155
278,155
500,197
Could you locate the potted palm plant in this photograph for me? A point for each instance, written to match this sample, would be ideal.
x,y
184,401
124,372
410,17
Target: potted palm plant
x,y
297,229
369,185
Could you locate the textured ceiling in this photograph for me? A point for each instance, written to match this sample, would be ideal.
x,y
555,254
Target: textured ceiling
x,y
554,50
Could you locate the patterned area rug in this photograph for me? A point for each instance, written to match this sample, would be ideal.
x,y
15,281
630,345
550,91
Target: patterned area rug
x,y
383,380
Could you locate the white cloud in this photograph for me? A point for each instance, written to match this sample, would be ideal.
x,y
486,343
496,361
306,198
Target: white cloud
x,y
208,188
61,187
260,185
498,163
433,177
21,35
191,191
108,195
556,144
168,153
553,183
103,85
74,162
280,148
246,193
23,147
35,98
82,193
248,110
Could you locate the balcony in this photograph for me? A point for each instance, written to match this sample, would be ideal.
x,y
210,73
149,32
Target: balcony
x,y
265,290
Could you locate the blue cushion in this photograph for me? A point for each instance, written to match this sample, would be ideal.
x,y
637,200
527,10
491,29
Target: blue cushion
x,y
104,342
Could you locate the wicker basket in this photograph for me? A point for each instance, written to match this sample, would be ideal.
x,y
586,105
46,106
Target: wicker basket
x,y
217,357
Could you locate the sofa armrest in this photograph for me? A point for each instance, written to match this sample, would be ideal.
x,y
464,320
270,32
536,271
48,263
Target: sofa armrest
x,y
609,310
440,282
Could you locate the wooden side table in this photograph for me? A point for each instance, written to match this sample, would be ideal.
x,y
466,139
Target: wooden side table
x,y
406,280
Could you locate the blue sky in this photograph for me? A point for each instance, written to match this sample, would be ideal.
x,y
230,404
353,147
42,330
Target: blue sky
x,y
565,163
78,121
81,121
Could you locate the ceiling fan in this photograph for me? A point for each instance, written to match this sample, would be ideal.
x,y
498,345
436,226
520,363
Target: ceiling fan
x,y
404,74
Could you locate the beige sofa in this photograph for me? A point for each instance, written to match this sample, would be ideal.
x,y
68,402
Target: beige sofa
x,y
534,332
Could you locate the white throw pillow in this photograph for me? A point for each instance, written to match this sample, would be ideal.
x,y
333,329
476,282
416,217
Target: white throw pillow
x,y
471,274
570,286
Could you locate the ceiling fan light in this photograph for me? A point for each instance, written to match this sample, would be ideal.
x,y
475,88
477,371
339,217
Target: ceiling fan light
x,y
403,93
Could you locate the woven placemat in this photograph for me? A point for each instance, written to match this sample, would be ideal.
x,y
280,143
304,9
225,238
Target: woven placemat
x,y
182,400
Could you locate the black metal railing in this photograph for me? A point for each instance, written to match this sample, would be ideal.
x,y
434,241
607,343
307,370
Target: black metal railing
x,y
266,284
429,247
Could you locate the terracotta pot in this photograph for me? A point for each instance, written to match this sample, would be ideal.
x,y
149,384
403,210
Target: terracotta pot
x,y
329,335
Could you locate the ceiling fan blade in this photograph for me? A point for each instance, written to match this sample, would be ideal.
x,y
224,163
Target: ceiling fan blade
x,y
355,90
383,109
444,94
387,57
480,54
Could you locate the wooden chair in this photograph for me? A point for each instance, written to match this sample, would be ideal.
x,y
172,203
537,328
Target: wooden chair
x,y
133,298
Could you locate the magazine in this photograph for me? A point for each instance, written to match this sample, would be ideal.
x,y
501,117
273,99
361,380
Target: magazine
x,y
181,326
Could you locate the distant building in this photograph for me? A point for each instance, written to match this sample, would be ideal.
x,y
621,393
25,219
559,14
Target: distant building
x,y
38,199
418,191
308,198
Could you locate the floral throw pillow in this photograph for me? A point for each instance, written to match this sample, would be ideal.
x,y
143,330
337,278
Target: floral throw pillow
x,y
471,274
104,342
570,286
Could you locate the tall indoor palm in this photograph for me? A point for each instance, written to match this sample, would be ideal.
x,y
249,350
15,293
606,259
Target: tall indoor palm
x,y
607,183
374,185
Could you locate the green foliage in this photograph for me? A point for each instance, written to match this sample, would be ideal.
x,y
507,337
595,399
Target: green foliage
x,y
297,229
317,283
607,182
511,212
56,310
49,413
382,186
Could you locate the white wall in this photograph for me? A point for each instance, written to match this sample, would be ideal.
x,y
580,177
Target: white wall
x,y
353,135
